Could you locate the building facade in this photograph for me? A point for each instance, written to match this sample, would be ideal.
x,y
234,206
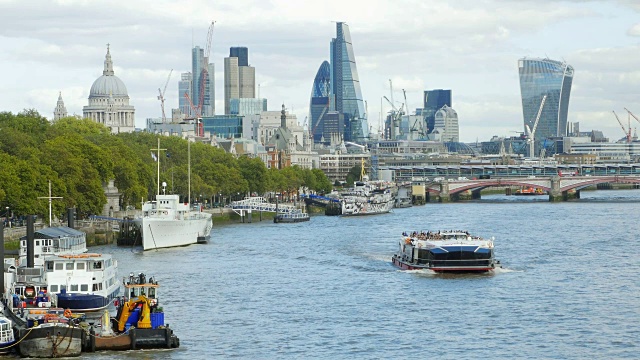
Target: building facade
x,y
345,86
60,111
246,106
239,80
434,100
109,101
446,122
203,83
185,86
540,77
320,103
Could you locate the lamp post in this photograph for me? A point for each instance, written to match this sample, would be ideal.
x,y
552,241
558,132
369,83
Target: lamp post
x,y
6,215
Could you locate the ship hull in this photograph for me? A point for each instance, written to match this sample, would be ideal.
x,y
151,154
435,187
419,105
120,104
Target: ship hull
x,y
164,233
51,341
85,302
404,265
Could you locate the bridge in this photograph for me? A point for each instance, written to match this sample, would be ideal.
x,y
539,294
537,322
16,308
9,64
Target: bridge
x,y
559,188
257,203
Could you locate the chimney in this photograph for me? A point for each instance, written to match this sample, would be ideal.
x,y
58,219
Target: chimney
x,y
30,239
71,213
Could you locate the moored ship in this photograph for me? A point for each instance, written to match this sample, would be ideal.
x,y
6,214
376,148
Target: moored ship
x,y
445,251
367,198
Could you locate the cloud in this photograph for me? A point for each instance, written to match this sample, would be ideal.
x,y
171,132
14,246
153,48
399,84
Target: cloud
x,y
634,30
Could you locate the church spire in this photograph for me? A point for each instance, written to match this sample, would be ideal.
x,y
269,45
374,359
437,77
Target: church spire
x,y
108,64
60,111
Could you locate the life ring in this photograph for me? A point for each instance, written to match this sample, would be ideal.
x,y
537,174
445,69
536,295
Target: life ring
x,y
67,313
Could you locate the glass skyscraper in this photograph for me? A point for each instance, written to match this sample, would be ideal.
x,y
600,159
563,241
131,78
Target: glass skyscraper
x,y
184,86
539,77
345,86
197,70
242,53
434,100
321,102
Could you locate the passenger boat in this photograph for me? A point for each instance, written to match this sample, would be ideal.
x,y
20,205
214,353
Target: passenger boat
x,y
445,251
61,240
167,222
82,282
529,191
7,338
292,217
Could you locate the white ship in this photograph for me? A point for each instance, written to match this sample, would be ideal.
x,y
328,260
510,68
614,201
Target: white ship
x,y
167,222
367,198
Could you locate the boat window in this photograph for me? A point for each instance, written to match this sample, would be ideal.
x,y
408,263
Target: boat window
x,y
95,287
97,265
69,266
49,266
152,292
80,266
37,242
54,288
74,287
58,266
84,287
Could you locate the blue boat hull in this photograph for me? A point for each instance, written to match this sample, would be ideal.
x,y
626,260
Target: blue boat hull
x,y
84,302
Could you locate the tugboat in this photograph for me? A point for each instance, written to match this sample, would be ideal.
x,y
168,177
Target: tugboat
x,y
50,333
445,251
139,323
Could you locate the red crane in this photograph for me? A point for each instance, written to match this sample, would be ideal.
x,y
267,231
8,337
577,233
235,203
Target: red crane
x,y
196,112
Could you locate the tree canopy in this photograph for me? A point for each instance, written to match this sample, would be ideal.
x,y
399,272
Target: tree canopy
x,y
79,156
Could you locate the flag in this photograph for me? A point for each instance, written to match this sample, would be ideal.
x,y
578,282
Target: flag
x,y
154,157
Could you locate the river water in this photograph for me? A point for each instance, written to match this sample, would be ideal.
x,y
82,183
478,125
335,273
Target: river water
x,y
326,289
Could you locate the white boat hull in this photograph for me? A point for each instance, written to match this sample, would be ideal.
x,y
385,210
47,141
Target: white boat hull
x,y
163,233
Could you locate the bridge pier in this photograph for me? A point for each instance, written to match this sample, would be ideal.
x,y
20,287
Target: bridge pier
x,y
475,194
249,215
444,196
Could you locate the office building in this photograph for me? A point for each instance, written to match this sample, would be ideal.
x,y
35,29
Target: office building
x,y
239,80
320,104
345,86
540,77
203,83
434,100
185,87
446,123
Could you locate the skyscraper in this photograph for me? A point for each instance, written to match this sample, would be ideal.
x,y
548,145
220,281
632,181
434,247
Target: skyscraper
x,y
242,53
345,86
434,100
320,104
239,80
185,86
540,77
208,89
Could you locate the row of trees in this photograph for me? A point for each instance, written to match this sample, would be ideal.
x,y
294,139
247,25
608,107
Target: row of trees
x,y
79,156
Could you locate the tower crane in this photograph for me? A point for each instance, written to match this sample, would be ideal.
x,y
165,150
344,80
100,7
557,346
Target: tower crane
x,y
396,114
161,96
196,113
205,70
630,113
531,133
627,133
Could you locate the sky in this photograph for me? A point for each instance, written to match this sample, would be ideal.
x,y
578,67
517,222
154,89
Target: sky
x,y
469,46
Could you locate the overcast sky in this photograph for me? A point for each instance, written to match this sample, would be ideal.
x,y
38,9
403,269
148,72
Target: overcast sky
x,y
469,46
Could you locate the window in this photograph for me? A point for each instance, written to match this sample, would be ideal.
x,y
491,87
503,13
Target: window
x,y
54,288
37,242
97,265
74,287
69,266
49,266
58,266
80,266
84,287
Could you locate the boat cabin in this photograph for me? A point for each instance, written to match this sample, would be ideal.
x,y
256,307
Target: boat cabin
x,y
78,273
53,241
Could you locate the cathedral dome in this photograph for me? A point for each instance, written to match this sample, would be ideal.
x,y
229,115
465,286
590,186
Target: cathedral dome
x,y
108,84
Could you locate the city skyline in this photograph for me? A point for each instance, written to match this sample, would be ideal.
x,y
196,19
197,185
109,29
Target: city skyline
x,y
473,51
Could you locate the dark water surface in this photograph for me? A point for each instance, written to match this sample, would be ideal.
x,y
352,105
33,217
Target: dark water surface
x,y
325,289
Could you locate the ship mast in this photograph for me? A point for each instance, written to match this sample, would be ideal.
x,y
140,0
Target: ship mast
x,y
50,198
189,169
158,161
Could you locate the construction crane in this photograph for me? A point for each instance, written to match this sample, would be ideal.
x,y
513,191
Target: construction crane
x,y
396,115
204,76
627,133
161,96
196,112
630,113
531,133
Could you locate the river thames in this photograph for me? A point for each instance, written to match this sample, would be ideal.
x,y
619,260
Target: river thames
x,y
326,289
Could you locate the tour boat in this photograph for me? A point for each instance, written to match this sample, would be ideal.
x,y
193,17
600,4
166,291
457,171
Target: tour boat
x,y
445,251
82,282
7,338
